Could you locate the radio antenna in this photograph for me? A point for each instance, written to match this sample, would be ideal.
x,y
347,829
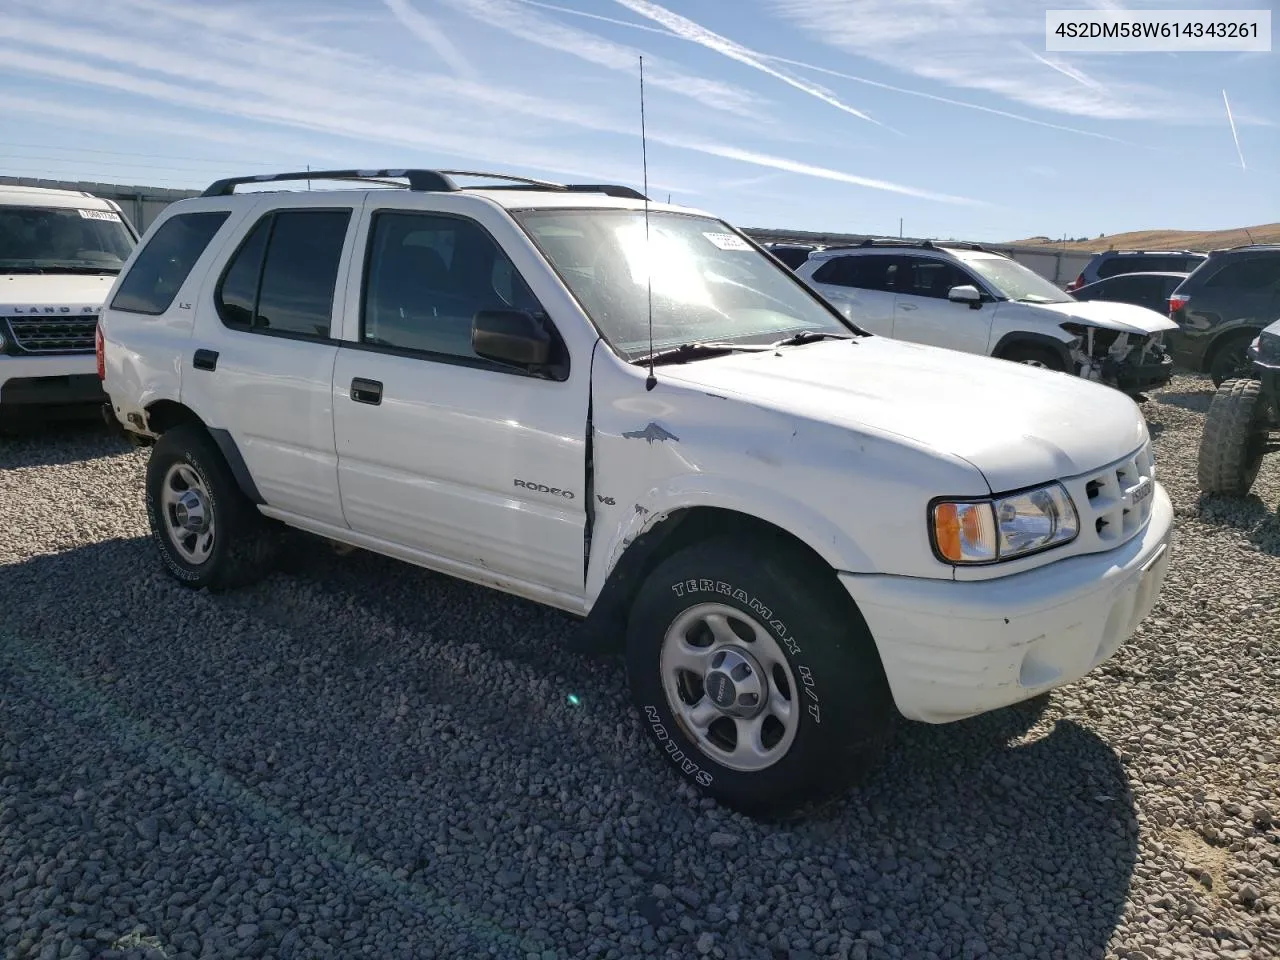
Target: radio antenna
x,y
651,381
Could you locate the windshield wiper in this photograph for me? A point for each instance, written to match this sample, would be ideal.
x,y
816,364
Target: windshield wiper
x,y
808,336
699,350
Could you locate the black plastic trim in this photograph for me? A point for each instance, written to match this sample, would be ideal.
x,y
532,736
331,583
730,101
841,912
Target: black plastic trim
x,y
239,469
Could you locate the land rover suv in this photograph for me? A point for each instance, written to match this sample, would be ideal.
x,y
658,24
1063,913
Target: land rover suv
x,y
60,251
791,529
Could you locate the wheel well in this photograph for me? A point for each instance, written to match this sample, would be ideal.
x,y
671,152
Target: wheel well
x,y
1221,340
166,414
1037,341
604,629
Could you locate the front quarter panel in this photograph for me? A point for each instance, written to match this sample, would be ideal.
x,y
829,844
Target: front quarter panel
x,y
858,499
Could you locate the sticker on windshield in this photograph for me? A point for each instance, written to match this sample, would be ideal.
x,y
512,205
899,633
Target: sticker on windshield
x,y
99,215
728,241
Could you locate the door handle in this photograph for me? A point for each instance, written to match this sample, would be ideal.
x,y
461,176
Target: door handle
x,y
205,360
366,391
906,306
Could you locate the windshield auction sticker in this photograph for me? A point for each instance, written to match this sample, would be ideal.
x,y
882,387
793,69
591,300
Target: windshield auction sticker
x,y
99,215
1141,31
728,241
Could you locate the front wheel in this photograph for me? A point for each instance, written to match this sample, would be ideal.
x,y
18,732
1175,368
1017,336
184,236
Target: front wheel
x,y
755,675
1235,434
1033,356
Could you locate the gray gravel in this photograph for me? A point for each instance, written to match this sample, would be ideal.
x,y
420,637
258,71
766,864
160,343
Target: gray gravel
x,y
358,758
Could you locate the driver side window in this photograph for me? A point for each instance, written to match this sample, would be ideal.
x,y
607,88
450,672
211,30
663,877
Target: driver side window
x,y
932,278
426,277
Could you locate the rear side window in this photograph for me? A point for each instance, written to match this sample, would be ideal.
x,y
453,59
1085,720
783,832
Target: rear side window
x,y
283,277
864,273
1255,274
165,261
1118,265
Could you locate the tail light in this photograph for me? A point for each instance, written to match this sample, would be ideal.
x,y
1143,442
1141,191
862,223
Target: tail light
x,y
1177,301
1075,284
99,350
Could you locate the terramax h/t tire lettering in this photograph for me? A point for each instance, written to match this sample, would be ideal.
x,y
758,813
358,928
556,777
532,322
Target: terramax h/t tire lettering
x,y
755,675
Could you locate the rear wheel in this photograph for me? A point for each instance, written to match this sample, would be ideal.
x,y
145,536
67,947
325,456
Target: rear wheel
x,y
1033,356
1234,437
755,675
208,532
1229,360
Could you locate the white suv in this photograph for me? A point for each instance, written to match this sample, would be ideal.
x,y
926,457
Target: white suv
x,y
789,527
963,297
60,251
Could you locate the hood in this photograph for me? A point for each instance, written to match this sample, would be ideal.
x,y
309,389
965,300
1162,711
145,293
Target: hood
x,y
1126,317
1017,424
21,292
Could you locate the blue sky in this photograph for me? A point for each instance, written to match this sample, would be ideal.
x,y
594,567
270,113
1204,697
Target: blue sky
x,y
812,114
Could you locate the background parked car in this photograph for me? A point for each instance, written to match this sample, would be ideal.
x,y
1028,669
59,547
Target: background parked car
x,y
1221,307
1112,263
964,297
1150,290
792,254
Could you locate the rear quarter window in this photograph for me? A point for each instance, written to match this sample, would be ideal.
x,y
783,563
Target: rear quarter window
x,y
165,261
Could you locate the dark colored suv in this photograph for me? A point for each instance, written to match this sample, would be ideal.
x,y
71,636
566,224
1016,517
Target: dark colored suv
x,y
1150,290
1111,263
1221,307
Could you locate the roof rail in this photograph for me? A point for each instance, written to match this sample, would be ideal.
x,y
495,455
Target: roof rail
x,y
427,181
917,244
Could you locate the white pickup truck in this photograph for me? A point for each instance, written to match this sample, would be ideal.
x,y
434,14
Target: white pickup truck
x,y
60,251
629,411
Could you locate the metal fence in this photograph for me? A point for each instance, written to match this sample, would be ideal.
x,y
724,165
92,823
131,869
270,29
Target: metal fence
x,y
143,204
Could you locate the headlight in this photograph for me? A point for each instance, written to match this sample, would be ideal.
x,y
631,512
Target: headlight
x,y
987,531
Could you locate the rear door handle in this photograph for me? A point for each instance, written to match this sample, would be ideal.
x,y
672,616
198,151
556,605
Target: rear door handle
x,y
366,391
205,360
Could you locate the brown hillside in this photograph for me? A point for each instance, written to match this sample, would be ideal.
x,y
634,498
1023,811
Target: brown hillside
x,y
1170,239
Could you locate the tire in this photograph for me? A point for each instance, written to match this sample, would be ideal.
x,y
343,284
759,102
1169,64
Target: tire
x,y
812,645
1233,439
1228,360
236,545
1033,356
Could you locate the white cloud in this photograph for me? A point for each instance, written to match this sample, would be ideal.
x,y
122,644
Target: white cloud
x,y
966,43
222,63
426,30
687,29
518,20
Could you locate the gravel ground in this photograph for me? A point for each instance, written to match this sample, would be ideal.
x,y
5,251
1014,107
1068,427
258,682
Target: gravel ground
x,y
358,758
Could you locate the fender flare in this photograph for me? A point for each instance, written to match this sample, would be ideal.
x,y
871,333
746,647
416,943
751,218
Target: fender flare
x,y
235,460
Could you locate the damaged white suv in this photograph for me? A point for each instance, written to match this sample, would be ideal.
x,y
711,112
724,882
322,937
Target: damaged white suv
x,y
962,297
792,529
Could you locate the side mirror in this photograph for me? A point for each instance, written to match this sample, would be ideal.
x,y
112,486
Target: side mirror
x,y
510,336
967,293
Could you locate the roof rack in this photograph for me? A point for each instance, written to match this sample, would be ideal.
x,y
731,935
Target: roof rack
x,y
425,181
916,244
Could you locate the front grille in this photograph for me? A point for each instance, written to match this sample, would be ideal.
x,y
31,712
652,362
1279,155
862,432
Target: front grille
x,y
53,334
1109,516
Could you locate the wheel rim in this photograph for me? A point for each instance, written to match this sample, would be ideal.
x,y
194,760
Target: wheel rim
x,y
1232,362
187,513
730,687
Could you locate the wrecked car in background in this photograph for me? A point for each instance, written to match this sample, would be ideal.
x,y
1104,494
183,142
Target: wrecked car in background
x,y
963,297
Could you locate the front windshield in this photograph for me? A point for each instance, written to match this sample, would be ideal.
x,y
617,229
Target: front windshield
x,y
61,239
708,283
1012,280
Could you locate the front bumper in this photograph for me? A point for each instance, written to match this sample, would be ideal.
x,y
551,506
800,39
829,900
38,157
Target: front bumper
x,y
955,649
49,381
1136,377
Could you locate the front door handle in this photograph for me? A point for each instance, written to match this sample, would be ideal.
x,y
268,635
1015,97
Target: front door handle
x,y
906,306
205,360
366,391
